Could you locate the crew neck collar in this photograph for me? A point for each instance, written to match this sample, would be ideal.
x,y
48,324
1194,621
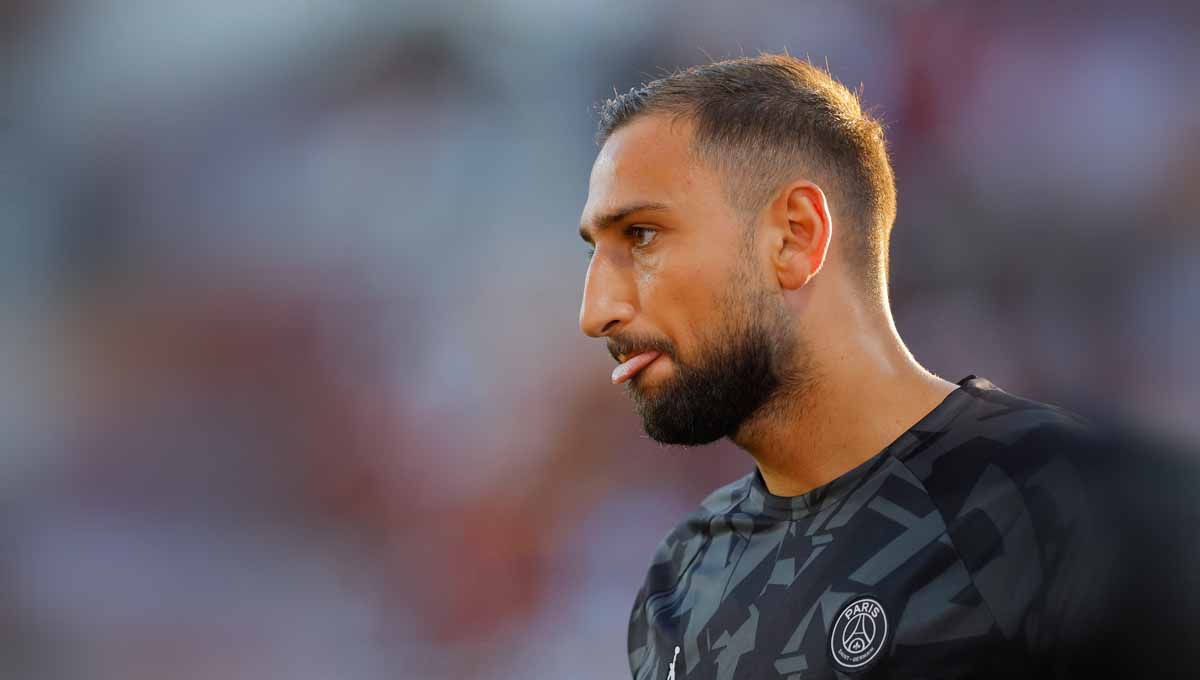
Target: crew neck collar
x,y
808,503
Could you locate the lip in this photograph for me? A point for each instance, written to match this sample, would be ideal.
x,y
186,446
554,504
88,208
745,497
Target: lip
x,y
651,363
626,356
622,357
635,363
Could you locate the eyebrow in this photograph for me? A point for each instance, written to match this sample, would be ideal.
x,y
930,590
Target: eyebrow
x,y
602,222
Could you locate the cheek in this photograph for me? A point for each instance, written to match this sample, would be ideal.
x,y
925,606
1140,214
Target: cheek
x,y
688,307
681,275
684,287
651,268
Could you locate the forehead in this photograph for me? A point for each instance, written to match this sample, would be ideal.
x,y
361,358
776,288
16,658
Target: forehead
x,y
648,160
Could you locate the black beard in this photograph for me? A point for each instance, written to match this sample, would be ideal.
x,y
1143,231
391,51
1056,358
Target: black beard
x,y
715,395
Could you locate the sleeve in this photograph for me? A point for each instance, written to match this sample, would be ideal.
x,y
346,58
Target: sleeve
x,y
1072,551
1028,536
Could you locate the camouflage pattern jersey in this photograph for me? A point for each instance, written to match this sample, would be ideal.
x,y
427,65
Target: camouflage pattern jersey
x,y
961,550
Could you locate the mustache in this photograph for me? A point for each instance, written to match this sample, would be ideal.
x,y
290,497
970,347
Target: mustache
x,y
633,344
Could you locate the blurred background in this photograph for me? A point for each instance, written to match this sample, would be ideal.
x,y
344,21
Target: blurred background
x,y
289,292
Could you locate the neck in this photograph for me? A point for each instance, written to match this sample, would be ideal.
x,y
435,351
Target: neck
x,y
861,397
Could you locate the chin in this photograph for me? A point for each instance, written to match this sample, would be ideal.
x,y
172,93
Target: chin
x,y
666,422
676,436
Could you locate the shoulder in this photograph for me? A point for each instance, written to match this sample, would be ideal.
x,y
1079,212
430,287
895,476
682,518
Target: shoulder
x,y
997,439
1007,475
675,553
681,545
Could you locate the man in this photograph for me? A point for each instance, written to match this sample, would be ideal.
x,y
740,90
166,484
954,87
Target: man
x,y
895,524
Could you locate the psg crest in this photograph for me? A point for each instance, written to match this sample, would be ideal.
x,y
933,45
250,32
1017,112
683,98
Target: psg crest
x,y
859,633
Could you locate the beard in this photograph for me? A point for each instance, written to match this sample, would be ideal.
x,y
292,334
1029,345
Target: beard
x,y
743,370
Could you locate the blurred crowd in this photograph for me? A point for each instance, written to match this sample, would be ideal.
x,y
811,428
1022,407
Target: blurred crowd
x,y
289,291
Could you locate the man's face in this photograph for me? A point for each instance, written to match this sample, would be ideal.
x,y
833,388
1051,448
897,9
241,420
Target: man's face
x,y
675,286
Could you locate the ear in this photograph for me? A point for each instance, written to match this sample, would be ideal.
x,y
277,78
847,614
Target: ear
x,y
801,213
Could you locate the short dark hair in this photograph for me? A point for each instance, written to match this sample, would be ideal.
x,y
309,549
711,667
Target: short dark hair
x,y
763,121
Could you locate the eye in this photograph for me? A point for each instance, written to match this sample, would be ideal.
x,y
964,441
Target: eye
x,y
642,236
590,253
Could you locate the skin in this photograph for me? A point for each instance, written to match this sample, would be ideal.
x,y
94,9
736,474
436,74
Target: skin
x,y
666,252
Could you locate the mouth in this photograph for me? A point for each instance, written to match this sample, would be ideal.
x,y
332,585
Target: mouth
x,y
626,355
631,364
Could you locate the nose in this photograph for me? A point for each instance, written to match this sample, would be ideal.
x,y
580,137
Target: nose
x,y
608,299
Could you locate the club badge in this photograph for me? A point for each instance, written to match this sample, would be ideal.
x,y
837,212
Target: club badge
x,y
859,633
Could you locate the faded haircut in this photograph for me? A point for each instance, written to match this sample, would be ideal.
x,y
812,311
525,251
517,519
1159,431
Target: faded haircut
x,y
763,121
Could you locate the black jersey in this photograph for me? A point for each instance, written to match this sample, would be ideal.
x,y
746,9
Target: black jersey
x,y
962,549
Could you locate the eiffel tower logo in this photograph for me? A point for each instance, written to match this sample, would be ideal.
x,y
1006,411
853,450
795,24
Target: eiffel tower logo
x,y
859,633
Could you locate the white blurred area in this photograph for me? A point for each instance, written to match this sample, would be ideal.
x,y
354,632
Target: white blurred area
x,y
289,290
